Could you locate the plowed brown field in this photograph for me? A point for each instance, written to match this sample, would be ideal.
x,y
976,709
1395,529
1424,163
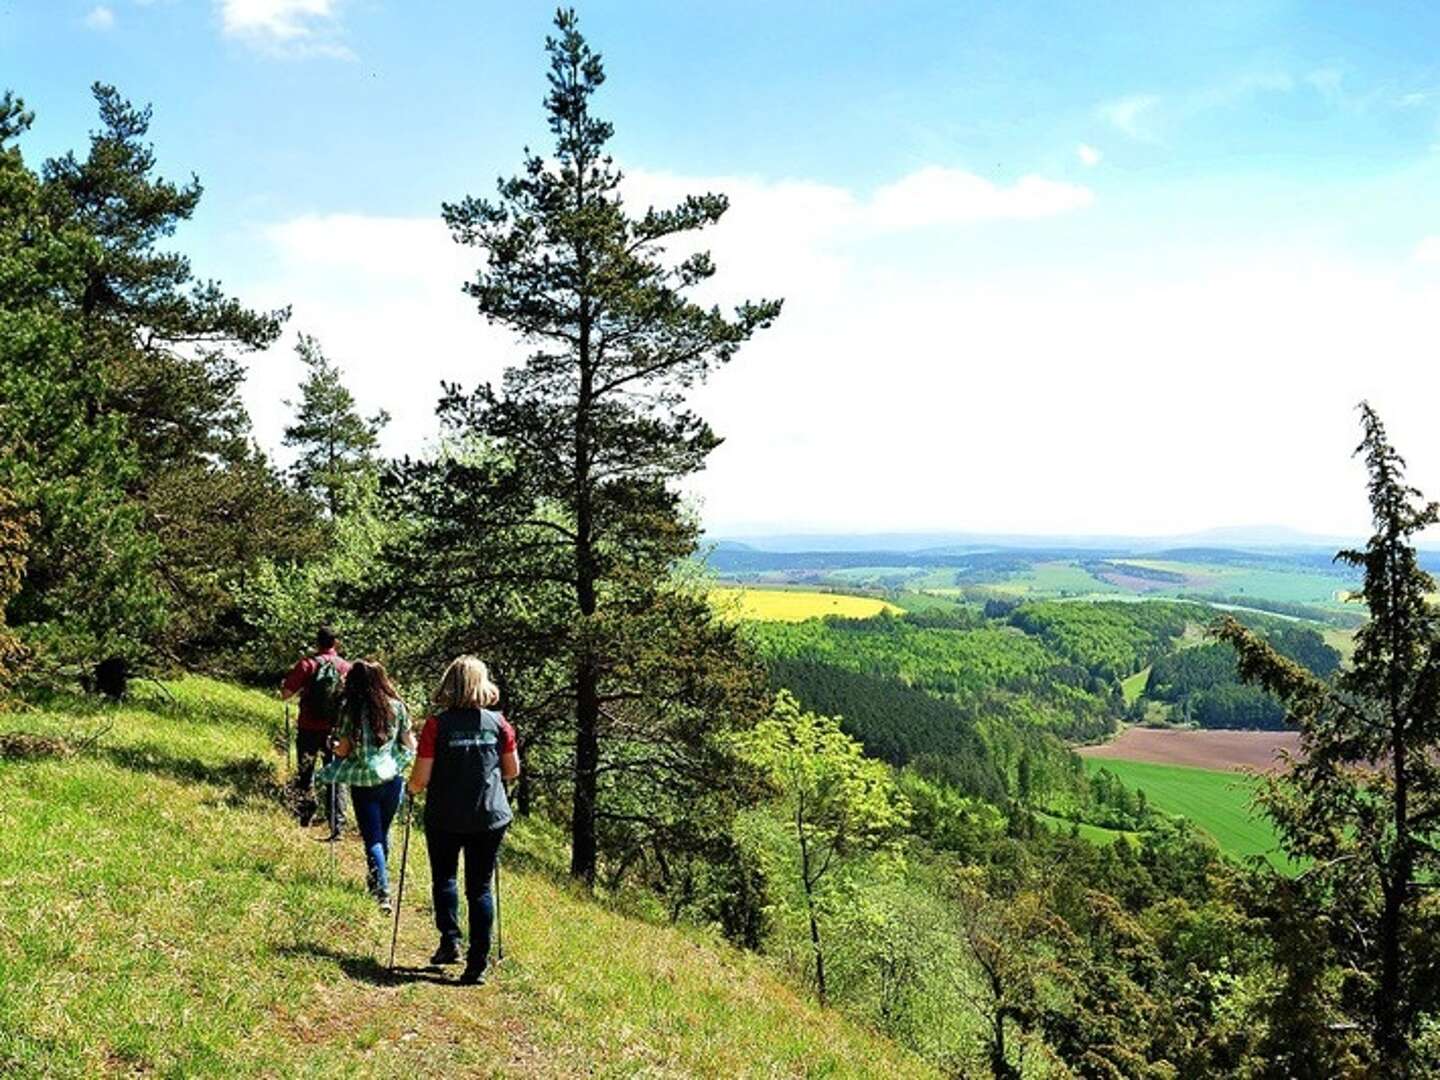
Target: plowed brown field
x,y
1201,749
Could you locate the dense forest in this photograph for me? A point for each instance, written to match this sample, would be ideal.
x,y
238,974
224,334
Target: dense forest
x,y
860,800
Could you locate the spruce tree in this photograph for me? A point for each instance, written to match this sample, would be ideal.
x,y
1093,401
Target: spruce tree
x,y
336,444
595,418
1360,804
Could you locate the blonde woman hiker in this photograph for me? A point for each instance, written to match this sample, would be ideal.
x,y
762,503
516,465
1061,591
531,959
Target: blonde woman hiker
x,y
467,752
375,747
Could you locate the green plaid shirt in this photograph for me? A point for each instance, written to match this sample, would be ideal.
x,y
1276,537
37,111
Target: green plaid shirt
x,y
369,765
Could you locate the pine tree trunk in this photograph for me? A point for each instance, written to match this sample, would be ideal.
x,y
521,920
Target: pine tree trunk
x,y
583,845
524,793
1390,1039
1390,1034
587,757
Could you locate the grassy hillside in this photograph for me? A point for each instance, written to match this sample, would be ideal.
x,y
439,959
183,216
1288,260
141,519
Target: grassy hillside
x,y
1096,834
1133,686
159,913
1218,802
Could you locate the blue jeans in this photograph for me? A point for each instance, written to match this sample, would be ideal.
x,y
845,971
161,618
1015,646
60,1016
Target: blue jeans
x,y
374,811
481,850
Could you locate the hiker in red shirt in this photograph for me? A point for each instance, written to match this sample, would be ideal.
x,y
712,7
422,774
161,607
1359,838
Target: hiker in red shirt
x,y
319,679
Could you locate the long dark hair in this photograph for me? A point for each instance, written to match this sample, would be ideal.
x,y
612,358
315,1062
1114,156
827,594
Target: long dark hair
x,y
368,692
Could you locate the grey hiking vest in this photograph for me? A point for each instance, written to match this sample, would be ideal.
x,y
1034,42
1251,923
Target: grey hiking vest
x,y
466,793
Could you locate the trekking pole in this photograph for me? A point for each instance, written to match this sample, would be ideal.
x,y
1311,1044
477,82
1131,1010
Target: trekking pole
x,y
499,933
333,831
287,736
400,892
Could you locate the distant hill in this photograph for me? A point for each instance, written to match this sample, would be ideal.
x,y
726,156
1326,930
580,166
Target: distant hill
x,y
1243,537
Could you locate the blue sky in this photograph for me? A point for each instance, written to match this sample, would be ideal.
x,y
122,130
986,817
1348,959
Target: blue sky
x,y
1048,267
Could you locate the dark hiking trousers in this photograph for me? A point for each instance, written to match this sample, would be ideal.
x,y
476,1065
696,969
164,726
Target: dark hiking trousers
x,y
481,850
312,749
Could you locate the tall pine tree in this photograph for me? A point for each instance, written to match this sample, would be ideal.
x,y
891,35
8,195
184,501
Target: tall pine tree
x,y
336,444
595,419
88,585
165,344
156,353
1361,803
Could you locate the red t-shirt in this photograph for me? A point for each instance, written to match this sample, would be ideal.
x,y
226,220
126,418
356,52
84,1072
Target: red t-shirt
x,y
432,729
299,681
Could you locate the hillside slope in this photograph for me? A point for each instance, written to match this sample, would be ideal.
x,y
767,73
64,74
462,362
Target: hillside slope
x,y
160,914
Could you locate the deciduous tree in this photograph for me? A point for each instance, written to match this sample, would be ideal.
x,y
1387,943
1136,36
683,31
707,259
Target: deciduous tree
x,y
839,802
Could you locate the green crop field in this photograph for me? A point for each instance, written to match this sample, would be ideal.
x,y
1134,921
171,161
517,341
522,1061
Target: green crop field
x,y
794,605
1060,578
1292,586
1218,802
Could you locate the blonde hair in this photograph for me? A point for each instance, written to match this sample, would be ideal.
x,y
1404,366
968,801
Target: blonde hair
x,y
466,685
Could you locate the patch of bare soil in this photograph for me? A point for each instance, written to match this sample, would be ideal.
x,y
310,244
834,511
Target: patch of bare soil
x,y
1200,749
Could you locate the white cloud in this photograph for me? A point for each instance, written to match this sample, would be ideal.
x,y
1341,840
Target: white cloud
x,y
922,380
288,27
936,196
383,295
100,17
1327,81
1428,250
1131,115
1088,155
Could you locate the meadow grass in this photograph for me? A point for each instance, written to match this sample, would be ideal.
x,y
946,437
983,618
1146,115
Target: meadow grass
x,y
1342,641
794,605
1217,802
1096,834
1134,685
160,913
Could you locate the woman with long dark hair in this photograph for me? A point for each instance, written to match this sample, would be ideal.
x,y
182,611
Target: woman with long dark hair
x,y
375,747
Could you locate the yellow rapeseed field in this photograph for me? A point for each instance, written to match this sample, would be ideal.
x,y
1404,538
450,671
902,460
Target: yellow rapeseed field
x,y
794,605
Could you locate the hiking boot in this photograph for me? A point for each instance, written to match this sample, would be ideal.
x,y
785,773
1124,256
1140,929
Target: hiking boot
x,y
447,953
473,975
383,899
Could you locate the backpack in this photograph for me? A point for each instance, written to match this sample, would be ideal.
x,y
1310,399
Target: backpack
x,y
324,692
